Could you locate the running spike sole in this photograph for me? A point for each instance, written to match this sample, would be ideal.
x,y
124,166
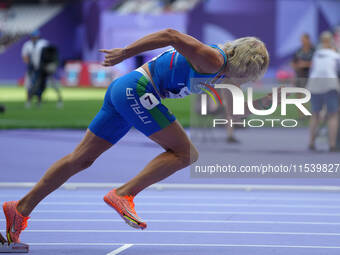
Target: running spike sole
x,y
131,222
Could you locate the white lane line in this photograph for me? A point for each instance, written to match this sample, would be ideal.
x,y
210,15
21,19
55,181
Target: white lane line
x,y
193,245
192,221
198,197
180,231
120,249
198,204
187,186
235,197
192,212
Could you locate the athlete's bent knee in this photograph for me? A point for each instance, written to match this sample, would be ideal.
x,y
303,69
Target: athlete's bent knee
x,y
189,156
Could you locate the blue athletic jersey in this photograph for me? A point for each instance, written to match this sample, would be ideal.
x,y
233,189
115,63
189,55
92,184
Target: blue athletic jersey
x,y
172,72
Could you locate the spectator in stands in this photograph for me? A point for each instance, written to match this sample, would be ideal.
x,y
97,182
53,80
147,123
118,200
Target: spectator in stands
x,y
302,61
35,80
323,83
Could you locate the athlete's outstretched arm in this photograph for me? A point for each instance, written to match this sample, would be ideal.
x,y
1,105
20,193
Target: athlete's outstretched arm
x,y
202,57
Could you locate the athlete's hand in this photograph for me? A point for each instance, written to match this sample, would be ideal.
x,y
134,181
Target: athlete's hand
x,y
113,56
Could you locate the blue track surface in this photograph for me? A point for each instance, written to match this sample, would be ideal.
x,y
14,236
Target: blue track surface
x,y
179,221
38,149
186,222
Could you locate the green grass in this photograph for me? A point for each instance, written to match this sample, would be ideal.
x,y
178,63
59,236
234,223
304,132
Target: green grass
x,y
80,106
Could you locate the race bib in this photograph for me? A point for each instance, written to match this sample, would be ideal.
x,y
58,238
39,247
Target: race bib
x,y
149,101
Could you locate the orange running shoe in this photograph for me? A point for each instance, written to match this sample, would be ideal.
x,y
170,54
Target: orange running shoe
x,y
15,222
125,208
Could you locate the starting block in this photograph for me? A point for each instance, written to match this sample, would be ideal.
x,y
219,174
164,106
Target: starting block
x,y
5,247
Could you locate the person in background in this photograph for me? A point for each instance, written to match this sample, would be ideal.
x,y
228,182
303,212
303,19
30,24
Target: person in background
x,y
227,97
337,38
226,110
2,108
49,63
230,134
323,84
35,79
302,61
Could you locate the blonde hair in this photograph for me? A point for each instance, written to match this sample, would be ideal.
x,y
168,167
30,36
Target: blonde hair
x,y
248,59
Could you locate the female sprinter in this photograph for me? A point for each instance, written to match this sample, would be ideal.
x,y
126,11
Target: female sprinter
x,y
135,100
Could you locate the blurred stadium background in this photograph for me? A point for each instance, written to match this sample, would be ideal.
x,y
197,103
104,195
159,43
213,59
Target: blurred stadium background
x,y
79,28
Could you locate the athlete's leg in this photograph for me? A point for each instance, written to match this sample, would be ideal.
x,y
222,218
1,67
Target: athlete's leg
x,y
313,127
332,123
179,153
135,99
317,102
105,130
88,150
29,87
16,212
41,85
56,87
